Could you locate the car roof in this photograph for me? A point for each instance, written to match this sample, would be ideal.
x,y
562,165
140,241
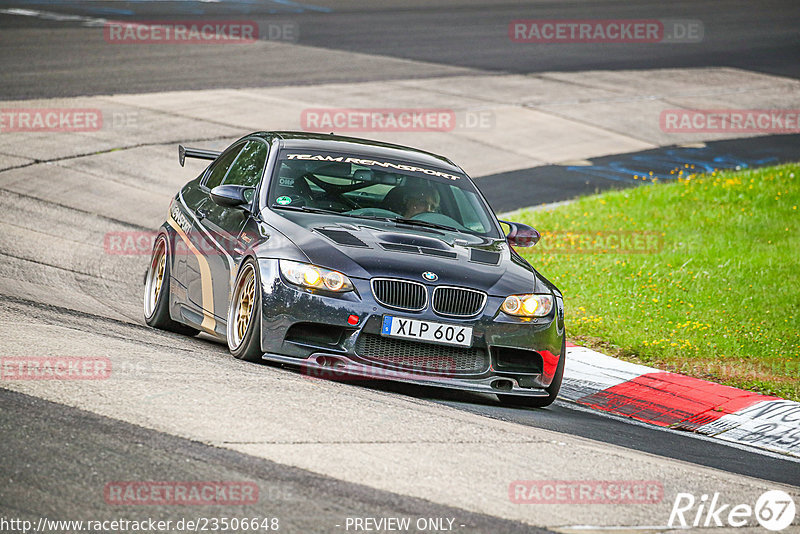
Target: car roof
x,y
363,147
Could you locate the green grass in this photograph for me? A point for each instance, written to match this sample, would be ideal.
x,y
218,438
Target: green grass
x,y
712,288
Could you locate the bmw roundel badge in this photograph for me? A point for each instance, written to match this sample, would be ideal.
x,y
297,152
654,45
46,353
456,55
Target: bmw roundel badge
x,y
429,276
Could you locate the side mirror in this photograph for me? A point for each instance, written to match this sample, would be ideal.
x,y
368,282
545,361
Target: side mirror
x,y
230,196
521,235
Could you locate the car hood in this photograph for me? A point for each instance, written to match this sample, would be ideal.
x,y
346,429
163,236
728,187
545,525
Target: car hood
x,y
366,249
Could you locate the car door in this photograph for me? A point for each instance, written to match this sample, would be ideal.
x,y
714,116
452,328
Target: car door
x,y
225,223
199,276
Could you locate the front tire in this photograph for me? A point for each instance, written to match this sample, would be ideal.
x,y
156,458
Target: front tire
x,y
552,389
244,314
156,292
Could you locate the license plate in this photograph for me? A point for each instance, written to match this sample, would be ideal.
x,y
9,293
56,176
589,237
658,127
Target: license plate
x,y
427,331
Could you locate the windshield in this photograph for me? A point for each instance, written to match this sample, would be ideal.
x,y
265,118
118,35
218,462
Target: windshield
x,y
357,186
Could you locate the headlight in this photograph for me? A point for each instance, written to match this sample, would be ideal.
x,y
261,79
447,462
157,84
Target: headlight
x,y
528,305
313,277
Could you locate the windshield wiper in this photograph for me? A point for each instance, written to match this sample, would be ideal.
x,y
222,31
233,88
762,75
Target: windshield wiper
x,y
307,209
417,222
399,220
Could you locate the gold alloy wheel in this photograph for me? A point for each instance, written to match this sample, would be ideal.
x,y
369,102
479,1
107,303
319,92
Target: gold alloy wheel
x,y
245,303
155,278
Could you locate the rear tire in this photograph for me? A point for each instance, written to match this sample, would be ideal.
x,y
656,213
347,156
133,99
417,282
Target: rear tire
x,y
552,389
244,314
156,292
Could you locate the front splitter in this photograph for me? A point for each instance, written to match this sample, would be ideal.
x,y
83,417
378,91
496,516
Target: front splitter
x,y
342,367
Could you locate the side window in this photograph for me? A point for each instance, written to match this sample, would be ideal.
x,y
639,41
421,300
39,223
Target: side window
x,y
220,168
471,215
249,166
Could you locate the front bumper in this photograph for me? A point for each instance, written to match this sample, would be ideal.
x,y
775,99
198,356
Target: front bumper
x,y
287,309
341,367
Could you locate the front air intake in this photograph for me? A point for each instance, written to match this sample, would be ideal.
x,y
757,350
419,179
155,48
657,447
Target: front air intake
x,y
400,294
458,302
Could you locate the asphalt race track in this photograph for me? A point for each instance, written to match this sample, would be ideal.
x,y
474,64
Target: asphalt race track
x,y
512,190
320,452
52,58
303,501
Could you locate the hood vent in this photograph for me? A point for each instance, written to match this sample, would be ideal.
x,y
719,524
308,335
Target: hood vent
x,y
484,256
340,237
438,252
400,248
411,249
413,240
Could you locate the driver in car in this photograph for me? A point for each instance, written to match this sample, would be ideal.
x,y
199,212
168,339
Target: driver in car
x,y
420,200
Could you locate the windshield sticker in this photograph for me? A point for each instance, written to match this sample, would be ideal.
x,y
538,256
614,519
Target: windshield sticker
x,y
283,200
372,163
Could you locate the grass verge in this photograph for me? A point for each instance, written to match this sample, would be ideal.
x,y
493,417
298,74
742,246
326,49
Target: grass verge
x,y
699,276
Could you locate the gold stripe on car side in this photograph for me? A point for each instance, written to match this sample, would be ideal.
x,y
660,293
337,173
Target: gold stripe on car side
x,y
209,322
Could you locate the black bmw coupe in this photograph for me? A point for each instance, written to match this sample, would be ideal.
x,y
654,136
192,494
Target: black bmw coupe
x,y
348,257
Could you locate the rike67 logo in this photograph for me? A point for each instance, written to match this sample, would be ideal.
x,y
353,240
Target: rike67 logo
x,y
774,510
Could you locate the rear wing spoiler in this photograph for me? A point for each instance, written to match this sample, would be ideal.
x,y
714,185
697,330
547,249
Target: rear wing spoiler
x,y
198,153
